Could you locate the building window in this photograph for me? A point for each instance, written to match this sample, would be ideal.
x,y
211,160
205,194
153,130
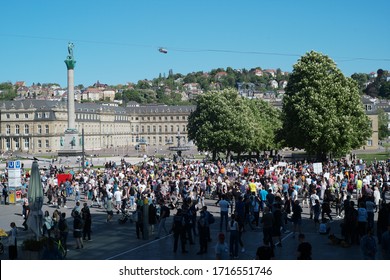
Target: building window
x,y
142,129
171,128
47,143
26,143
166,128
39,115
17,144
47,114
154,128
17,116
39,143
26,129
8,129
8,143
47,129
148,129
8,116
39,129
17,129
178,128
369,143
26,116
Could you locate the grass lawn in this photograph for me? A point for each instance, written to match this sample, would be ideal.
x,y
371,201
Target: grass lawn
x,y
371,157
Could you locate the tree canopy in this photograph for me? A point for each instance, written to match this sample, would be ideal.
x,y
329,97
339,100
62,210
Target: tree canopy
x,y
322,110
225,122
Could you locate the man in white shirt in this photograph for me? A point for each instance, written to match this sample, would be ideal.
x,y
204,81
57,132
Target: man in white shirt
x,y
118,199
313,198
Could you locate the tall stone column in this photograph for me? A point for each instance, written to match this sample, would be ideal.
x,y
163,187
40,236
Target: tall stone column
x,y
71,108
70,144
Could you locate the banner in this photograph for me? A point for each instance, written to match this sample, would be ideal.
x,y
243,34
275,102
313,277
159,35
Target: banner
x,y
63,177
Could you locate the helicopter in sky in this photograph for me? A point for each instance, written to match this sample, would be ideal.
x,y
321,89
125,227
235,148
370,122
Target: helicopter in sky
x,y
162,50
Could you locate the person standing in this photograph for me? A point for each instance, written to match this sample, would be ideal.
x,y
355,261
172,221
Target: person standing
x,y
296,217
268,221
368,246
362,219
87,222
234,237
47,223
64,230
118,200
109,209
179,231
139,221
221,248
5,194
164,214
385,244
203,231
78,229
12,242
313,198
26,212
224,211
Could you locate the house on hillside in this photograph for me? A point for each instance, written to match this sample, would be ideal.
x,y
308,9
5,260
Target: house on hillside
x,y
220,75
23,91
283,84
19,84
258,72
270,72
192,90
273,84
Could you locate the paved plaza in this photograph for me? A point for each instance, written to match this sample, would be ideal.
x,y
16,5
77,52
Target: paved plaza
x,y
114,241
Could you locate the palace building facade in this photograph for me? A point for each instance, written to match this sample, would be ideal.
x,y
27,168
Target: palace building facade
x,y
37,126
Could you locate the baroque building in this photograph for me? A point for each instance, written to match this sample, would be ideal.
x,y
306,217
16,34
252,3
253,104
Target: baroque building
x,y
37,126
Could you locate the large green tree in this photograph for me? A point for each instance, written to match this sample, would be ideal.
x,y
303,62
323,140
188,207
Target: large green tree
x,y
322,110
225,122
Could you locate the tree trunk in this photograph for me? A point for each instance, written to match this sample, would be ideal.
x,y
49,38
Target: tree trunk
x,y
228,156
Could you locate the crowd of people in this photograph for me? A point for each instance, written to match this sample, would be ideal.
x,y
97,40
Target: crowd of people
x,y
261,194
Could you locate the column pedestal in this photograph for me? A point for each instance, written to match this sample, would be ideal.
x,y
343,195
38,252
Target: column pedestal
x,y
70,144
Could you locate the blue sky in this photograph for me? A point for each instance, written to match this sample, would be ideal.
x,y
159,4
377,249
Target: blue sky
x,y
117,41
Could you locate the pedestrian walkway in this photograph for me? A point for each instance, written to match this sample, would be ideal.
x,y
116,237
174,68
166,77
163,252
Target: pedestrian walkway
x,y
113,241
